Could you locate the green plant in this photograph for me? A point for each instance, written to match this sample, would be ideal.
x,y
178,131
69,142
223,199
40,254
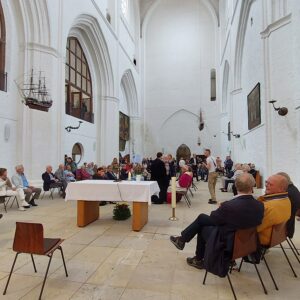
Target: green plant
x,y
121,211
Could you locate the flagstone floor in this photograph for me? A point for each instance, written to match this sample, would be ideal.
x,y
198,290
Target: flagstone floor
x,y
106,260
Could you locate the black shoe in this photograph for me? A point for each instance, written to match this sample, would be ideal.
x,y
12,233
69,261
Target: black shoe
x,y
194,262
1,216
32,203
102,203
177,241
210,201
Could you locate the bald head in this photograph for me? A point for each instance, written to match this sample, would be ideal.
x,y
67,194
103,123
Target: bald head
x,y
276,184
244,183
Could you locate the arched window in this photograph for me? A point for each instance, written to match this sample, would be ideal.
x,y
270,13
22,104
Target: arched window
x,y
213,87
3,75
78,89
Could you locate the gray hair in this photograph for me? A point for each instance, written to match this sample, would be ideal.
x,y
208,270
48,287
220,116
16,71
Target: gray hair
x,y
244,183
286,176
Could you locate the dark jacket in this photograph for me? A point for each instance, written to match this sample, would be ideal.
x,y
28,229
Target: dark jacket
x,y
239,213
110,176
294,196
47,181
158,170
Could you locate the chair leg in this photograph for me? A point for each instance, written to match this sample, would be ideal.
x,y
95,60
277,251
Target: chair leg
x,y
43,195
271,275
232,289
50,258
4,204
191,192
187,200
204,279
17,202
51,191
293,250
260,279
240,266
288,261
12,268
33,263
63,258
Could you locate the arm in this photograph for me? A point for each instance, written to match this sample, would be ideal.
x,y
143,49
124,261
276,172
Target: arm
x,y
17,182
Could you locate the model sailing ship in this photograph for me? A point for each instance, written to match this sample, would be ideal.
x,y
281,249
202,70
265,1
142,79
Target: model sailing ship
x,y
34,92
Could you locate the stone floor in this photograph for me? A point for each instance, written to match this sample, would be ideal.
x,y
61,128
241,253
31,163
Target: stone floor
x,y
106,260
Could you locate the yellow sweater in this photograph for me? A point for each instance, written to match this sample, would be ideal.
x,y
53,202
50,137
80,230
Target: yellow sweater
x,y
277,210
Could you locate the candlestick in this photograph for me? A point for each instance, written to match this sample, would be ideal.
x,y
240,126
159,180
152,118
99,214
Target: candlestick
x,y
129,176
173,188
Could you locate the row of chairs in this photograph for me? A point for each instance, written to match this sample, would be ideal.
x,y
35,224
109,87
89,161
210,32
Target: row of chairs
x,y
246,243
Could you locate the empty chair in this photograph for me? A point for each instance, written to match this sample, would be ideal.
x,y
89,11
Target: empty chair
x,y
29,238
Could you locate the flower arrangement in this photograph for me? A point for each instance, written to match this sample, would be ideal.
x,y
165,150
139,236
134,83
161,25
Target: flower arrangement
x,y
138,169
121,211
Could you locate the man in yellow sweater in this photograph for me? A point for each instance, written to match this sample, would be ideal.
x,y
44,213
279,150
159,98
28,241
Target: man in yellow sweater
x,y
277,206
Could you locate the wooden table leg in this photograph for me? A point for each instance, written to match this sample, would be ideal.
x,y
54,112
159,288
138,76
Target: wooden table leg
x,y
139,215
87,212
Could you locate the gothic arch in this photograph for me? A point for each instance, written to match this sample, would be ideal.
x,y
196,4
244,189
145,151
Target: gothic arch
x,y
240,39
225,86
129,88
87,30
177,112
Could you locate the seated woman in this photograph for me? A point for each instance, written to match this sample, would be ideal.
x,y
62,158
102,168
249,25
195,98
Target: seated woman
x,y
82,174
70,177
185,180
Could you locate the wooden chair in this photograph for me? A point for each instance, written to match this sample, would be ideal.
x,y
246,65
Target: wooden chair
x,y
245,243
278,236
29,238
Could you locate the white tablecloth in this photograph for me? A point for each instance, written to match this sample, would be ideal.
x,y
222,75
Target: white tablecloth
x,y
108,190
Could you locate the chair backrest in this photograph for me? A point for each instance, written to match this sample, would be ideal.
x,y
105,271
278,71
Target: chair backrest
x,y
278,234
245,242
29,238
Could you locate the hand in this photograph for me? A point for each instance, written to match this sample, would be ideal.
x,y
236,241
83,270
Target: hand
x,y
14,188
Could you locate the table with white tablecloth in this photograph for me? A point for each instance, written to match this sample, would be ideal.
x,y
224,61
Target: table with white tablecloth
x,y
88,193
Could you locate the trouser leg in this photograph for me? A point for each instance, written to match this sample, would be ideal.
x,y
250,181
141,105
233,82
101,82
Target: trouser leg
x,y
37,192
212,179
196,227
202,237
28,193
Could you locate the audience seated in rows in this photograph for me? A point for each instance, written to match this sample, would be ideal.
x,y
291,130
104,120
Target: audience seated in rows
x,y
69,162
235,173
69,175
242,212
100,175
6,189
110,174
20,181
82,174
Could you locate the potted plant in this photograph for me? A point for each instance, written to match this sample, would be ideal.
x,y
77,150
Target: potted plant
x,y
121,211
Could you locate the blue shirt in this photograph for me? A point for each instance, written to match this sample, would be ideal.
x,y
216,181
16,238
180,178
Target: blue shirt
x,y
24,180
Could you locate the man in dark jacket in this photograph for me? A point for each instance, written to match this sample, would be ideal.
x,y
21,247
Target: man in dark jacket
x,y
159,174
294,196
50,181
242,212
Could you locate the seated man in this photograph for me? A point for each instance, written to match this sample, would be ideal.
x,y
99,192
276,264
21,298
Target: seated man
x,y
19,180
51,182
277,206
6,189
242,212
110,174
70,177
237,171
60,175
100,175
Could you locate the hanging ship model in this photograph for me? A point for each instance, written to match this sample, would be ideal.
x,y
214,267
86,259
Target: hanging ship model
x,y
34,92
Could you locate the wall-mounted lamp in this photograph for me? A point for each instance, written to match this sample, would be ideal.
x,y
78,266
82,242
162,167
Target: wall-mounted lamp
x,y
282,111
236,135
69,128
199,141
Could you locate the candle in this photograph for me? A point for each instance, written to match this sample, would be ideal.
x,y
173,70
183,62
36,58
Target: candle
x,y
129,176
173,186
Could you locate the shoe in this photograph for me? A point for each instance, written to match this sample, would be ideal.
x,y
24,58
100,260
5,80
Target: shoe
x,y
22,208
1,216
177,241
210,201
194,262
223,190
25,204
32,203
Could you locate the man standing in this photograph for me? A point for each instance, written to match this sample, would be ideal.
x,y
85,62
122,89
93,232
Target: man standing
x,y
158,173
212,175
194,164
20,181
242,212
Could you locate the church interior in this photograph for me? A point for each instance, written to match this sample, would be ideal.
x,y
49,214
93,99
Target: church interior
x,y
96,80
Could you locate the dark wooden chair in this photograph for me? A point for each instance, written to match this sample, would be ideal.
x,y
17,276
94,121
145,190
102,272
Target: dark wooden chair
x,y
245,243
29,238
279,235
